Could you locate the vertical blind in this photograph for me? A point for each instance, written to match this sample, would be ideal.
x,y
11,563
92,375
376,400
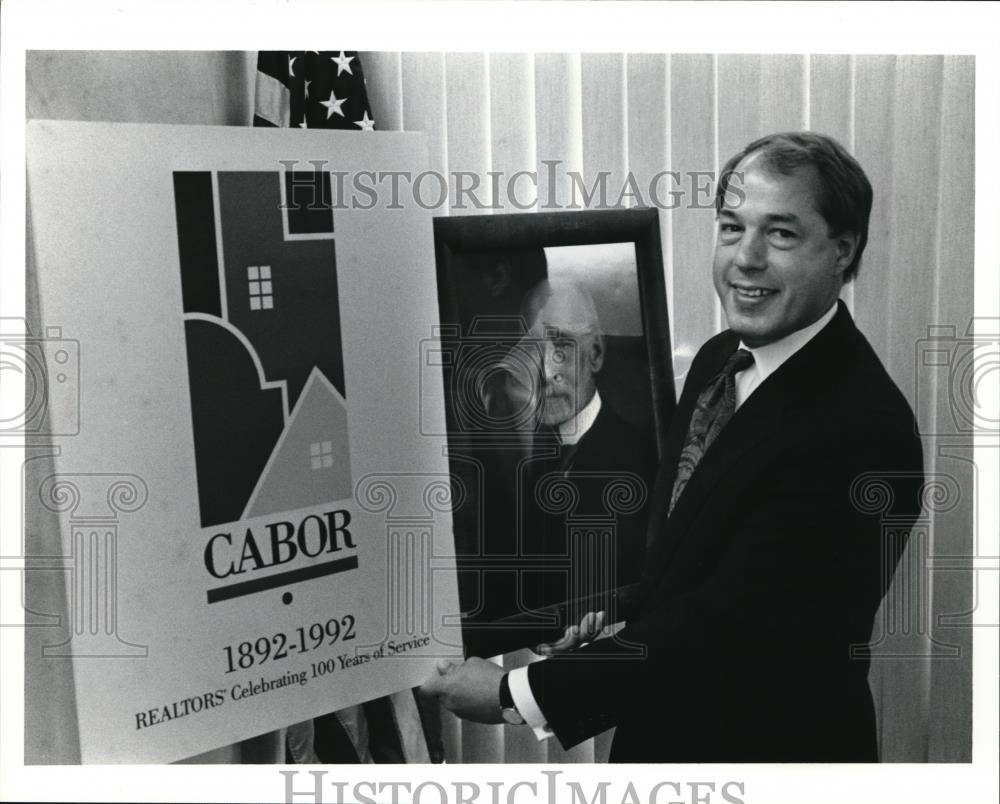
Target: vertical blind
x,y
908,119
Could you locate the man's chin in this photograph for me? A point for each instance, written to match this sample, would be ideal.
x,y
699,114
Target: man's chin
x,y
555,414
753,330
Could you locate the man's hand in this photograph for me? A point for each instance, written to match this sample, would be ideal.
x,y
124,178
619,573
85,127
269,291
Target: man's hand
x,y
469,689
576,635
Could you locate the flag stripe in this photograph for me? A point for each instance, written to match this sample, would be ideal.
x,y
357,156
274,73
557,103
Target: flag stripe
x,y
272,100
409,727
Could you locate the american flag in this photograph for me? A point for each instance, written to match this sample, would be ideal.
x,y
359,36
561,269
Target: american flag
x,y
311,89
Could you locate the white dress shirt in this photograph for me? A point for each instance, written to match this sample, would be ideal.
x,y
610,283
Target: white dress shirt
x,y
767,360
572,430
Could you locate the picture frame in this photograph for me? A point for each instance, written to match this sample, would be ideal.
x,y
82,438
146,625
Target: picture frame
x,y
537,545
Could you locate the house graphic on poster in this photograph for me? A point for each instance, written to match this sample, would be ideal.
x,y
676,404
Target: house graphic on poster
x,y
262,329
311,461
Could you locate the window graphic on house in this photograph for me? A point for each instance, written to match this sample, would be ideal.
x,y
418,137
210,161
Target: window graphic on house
x,y
322,454
261,290
262,329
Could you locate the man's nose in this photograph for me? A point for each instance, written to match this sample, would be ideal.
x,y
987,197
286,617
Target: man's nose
x,y
751,254
553,360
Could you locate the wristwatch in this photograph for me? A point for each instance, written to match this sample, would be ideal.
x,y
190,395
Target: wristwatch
x,y
508,711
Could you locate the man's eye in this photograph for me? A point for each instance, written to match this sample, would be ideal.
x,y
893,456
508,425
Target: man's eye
x,y
784,234
729,233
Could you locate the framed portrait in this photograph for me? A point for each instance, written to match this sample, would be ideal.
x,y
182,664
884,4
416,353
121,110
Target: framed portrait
x,y
555,354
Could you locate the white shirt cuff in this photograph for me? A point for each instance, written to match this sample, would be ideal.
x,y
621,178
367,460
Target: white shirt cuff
x,y
524,700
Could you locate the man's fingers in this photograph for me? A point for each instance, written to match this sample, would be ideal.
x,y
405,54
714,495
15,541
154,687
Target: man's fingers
x,y
569,638
438,681
445,666
590,627
433,685
565,642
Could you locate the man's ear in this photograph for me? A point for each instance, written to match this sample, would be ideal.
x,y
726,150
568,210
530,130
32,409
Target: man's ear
x,y
847,246
596,353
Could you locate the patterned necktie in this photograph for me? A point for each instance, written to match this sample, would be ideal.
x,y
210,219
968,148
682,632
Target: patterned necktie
x,y
714,408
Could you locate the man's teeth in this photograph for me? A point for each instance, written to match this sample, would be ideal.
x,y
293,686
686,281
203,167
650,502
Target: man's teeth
x,y
754,291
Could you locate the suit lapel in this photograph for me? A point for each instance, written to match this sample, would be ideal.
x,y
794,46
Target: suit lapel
x,y
656,542
762,418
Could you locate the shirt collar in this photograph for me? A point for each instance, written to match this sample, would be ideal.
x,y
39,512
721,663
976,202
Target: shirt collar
x,y
768,359
572,430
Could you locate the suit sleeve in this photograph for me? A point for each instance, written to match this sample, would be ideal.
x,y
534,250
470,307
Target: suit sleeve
x,y
797,579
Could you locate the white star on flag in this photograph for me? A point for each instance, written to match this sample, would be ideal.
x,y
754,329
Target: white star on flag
x,y
303,124
365,123
291,66
333,105
343,63
307,89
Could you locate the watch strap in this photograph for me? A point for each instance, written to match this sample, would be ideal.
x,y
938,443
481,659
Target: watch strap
x,y
506,699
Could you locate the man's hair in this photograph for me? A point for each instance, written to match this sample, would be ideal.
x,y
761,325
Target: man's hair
x,y
843,194
537,297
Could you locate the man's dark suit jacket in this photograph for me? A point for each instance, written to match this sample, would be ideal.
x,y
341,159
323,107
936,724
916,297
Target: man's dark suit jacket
x,y
756,587
612,448
536,542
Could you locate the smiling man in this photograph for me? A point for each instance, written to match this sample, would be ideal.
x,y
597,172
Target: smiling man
x,y
788,239
768,558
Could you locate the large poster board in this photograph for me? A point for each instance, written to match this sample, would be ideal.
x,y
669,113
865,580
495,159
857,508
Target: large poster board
x,y
254,530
